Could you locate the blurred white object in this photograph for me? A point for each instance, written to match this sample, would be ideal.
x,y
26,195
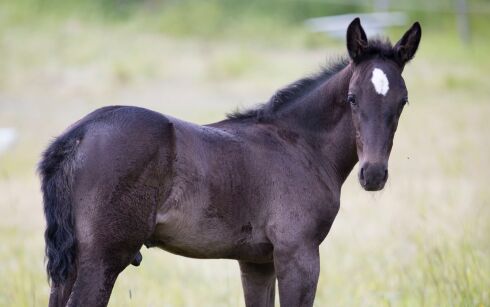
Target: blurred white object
x,y
7,138
373,23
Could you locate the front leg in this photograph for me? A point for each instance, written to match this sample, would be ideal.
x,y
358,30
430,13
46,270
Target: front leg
x,y
258,281
297,269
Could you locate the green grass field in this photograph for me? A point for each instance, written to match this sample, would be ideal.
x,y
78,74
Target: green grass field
x,y
423,241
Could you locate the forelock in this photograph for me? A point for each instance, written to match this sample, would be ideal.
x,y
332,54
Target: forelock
x,y
378,48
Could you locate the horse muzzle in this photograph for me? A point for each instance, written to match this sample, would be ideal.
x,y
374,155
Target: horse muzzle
x,y
373,176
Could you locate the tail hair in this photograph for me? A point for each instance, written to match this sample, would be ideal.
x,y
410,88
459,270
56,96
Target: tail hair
x,y
57,171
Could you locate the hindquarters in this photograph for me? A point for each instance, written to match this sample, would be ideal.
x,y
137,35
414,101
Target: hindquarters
x,y
101,182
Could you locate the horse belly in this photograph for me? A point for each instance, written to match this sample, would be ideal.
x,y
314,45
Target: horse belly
x,y
209,239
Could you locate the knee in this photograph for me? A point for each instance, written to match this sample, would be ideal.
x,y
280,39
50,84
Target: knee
x,y
299,259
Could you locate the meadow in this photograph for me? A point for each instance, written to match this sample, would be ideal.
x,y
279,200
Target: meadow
x,y
422,241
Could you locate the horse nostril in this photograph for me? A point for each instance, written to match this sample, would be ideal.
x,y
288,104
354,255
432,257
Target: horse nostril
x,y
386,175
361,174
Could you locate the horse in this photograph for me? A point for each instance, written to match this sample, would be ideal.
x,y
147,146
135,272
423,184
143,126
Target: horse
x,y
261,187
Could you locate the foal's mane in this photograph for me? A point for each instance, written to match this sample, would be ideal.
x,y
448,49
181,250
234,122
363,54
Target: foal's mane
x,y
377,48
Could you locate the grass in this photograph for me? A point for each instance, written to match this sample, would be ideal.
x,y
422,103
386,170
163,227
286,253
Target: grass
x,y
423,241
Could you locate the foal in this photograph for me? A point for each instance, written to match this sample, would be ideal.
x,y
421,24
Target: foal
x,y
261,187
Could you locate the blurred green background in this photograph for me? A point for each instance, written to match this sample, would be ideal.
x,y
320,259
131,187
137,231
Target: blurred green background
x,y
423,241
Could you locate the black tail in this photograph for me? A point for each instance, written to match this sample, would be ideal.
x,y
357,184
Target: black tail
x,y
57,171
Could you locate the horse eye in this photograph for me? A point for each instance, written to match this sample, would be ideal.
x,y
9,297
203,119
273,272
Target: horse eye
x,y
351,99
404,101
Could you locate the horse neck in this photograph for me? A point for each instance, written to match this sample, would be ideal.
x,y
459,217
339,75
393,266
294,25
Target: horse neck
x,y
325,120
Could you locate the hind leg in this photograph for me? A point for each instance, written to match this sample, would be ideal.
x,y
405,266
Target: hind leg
x,y
97,272
108,241
258,281
60,293
111,244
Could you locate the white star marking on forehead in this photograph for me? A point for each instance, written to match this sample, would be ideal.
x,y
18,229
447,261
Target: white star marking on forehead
x,y
380,82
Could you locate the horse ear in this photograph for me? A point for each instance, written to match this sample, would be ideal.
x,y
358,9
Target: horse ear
x,y
356,39
407,46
